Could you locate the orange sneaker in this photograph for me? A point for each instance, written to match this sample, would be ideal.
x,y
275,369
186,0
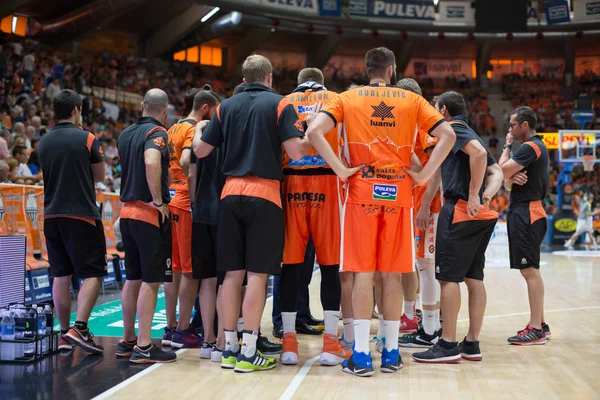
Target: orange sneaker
x,y
289,353
333,352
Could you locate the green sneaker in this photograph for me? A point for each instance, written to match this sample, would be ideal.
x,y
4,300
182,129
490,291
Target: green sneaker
x,y
228,359
257,362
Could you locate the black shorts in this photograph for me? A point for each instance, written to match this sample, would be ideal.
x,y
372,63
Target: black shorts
x,y
526,224
461,242
250,236
75,247
204,251
147,250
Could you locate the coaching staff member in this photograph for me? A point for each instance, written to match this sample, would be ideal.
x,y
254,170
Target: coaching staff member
x,y
250,129
145,225
465,226
527,177
72,160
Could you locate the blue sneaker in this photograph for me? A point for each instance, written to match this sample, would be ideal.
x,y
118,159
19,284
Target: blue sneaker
x,y
229,358
168,336
360,364
391,361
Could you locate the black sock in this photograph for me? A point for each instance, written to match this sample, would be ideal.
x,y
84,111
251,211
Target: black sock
x,y
134,341
64,331
82,326
145,348
447,345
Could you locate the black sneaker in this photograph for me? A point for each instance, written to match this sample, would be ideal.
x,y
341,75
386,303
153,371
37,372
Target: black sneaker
x,y
125,349
529,336
359,364
83,339
470,350
391,361
546,329
267,348
151,356
278,331
437,354
420,339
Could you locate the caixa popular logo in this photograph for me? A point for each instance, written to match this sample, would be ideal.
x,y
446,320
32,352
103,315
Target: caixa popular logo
x,y
592,8
385,192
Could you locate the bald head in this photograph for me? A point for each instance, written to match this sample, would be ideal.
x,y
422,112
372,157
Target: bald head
x,y
155,103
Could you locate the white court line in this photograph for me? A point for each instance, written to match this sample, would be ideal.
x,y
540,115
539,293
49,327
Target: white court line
x,y
295,384
134,378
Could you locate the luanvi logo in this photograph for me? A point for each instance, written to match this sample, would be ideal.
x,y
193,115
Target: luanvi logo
x,y
383,112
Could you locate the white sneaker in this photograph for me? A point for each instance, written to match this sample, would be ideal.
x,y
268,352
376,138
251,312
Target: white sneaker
x,y
215,354
379,344
206,350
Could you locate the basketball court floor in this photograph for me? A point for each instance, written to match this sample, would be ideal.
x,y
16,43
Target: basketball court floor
x,y
568,366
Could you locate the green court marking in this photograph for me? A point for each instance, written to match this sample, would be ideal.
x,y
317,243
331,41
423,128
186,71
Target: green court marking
x,y
107,319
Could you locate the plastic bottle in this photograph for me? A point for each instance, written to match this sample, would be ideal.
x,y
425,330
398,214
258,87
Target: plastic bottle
x,y
30,331
19,330
48,313
7,332
42,330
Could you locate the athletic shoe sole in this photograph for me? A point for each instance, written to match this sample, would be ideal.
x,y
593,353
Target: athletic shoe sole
x,y
148,361
76,341
216,356
227,366
166,342
247,370
65,347
289,358
330,360
471,357
390,369
126,354
443,360
360,373
205,354
531,343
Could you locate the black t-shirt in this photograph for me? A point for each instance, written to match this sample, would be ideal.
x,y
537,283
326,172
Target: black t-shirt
x,y
250,128
533,156
146,133
209,184
66,155
456,169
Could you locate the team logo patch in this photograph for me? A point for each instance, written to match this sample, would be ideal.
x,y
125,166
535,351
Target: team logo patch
x,y
168,263
431,140
368,172
431,249
159,141
101,150
385,192
298,125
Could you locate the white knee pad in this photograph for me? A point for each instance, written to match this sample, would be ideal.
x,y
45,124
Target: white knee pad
x,y
430,287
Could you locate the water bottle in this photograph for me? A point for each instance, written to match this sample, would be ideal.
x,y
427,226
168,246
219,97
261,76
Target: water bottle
x,y
48,312
42,330
7,332
30,332
19,330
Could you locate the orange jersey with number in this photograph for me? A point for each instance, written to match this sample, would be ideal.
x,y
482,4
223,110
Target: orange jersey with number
x,y
180,138
303,103
425,142
381,124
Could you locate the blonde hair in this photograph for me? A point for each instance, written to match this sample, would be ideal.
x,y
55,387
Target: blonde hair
x,y
256,68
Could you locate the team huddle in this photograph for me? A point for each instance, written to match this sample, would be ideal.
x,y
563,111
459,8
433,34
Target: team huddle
x,y
393,191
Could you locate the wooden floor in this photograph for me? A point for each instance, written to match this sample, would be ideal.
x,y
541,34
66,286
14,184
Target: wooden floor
x,y
567,367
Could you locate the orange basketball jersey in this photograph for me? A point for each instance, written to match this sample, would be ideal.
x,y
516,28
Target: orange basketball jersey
x,y
380,131
303,103
180,138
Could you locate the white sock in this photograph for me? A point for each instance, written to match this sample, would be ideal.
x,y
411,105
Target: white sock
x,y
380,328
438,324
362,329
349,330
332,319
231,341
418,303
249,343
409,309
391,329
289,322
429,318
240,324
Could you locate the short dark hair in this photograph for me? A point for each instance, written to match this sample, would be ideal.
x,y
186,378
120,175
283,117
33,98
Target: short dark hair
x,y
378,60
311,74
411,85
64,102
525,114
189,99
454,102
18,150
204,97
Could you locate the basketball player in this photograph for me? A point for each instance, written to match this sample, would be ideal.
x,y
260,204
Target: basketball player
x,y
584,222
311,207
526,218
377,221
427,205
172,288
145,226
465,226
72,160
251,129
180,143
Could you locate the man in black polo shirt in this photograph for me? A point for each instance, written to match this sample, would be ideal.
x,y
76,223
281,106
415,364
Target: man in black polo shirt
x,y
250,129
465,226
145,226
72,160
527,177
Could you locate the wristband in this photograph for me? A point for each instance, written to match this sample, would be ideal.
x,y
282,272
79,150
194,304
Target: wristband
x,y
156,205
508,146
304,126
